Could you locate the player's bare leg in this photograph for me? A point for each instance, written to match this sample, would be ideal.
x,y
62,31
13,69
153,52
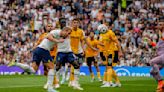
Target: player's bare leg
x,y
109,82
98,71
50,76
76,84
114,75
91,72
68,72
71,75
25,67
63,73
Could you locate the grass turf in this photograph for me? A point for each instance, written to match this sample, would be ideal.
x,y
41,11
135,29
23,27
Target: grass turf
x,y
32,83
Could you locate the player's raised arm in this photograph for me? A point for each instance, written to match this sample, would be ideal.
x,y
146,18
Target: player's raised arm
x,y
88,44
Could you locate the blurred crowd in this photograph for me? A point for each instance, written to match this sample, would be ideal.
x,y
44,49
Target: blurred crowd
x,y
22,21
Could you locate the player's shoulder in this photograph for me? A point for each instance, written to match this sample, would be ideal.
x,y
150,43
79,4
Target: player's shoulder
x,y
80,30
55,31
110,32
43,34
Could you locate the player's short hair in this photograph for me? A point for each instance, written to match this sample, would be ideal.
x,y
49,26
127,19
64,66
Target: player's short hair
x,y
67,28
76,19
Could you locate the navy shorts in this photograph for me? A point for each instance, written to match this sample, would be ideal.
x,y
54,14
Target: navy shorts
x,y
65,57
40,54
79,58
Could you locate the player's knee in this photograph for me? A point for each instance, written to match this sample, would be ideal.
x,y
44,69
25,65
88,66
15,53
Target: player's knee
x,y
95,64
57,66
153,72
76,65
89,64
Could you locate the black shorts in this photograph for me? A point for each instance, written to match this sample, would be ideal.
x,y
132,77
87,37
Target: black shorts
x,y
102,56
115,60
90,60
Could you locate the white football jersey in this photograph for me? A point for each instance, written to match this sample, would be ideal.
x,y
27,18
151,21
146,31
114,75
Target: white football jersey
x,y
47,44
65,46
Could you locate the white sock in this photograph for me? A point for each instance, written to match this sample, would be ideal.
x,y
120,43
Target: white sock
x,y
76,73
58,75
63,72
50,77
25,67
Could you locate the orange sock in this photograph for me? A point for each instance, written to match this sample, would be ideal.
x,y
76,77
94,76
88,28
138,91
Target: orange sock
x,y
105,76
72,73
92,75
115,76
98,75
55,80
109,74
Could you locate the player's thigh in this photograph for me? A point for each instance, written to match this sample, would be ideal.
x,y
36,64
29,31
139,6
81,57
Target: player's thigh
x,y
49,65
60,60
159,60
61,57
95,61
35,66
79,58
89,60
36,58
71,59
47,59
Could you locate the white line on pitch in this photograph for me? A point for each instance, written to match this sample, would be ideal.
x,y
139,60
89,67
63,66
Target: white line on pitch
x,y
21,86
26,86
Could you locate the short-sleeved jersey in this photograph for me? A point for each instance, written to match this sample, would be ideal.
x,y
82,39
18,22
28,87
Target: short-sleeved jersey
x,y
76,38
47,44
64,46
90,52
108,40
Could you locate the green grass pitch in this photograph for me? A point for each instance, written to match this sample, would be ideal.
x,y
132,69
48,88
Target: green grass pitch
x,y
33,83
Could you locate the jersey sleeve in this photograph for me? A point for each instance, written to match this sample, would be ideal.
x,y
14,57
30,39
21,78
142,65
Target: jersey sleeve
x,y
55,33
112,36
82,35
